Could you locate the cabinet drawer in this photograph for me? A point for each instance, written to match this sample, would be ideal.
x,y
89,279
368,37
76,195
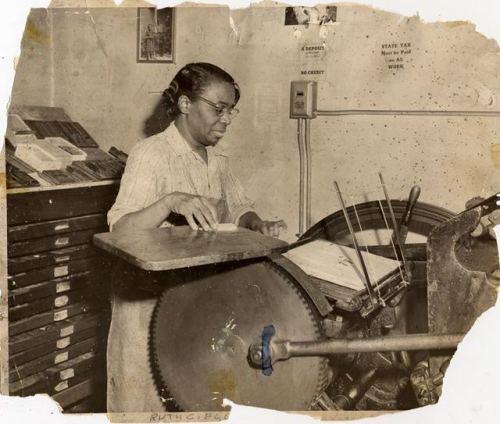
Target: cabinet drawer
x,y
26,310
41,320
47,205
53,257
40,385
42,244
61,226
57,378
51,288
45,274
82,406
52,359
53,332
49,346
76,393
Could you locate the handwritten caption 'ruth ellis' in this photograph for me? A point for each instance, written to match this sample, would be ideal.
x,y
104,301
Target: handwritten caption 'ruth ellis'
x,y
396,54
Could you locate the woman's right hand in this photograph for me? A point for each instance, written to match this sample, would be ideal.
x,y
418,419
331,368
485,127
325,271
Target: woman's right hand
x,y
193,207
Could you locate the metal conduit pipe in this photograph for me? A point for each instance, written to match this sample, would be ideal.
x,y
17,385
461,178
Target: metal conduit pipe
x,y
307,145
302,175
485,113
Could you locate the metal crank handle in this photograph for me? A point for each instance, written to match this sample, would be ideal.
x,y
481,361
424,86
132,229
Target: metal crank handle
x,y
285,349
406,218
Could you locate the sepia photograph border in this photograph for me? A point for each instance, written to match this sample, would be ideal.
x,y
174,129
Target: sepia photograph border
x,y
118,417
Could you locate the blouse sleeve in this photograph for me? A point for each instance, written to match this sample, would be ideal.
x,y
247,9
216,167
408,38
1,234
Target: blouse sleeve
x,y
138,187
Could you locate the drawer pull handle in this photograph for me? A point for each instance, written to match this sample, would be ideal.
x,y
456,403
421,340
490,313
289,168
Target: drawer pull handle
x,y
61,357
63,385
63,286
61,301
63,343
67,331
65,374
64,258
60,227
61,271
60,315
61,241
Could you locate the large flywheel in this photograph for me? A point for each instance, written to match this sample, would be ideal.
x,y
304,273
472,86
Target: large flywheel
x,y
203,326
374,216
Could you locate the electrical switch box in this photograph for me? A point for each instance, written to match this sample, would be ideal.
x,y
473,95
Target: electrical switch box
x,y
303,98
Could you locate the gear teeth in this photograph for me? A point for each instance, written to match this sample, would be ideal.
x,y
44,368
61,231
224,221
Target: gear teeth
x,y
323,365
166,397
161,385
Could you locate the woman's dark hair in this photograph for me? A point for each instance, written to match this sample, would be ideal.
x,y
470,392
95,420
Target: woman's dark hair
x,y
191,81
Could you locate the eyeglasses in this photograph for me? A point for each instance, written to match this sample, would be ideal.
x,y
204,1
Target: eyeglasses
x,y
220,109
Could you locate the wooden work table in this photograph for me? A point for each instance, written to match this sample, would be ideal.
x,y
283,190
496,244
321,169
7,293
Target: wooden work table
x,y
163,249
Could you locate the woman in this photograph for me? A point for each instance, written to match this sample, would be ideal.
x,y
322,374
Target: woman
x,y
149,46
177,172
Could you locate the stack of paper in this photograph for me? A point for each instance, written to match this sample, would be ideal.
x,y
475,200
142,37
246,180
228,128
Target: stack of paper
x,y
340,264
62,149
17,130
37,157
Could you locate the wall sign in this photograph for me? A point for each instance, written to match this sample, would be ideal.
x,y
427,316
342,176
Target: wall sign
x,y
396,54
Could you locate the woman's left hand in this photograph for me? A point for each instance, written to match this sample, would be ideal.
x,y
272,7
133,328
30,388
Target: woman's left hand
x,y
270,228
253,222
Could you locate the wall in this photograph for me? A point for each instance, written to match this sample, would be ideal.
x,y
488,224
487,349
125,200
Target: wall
x,y
33,83
97,80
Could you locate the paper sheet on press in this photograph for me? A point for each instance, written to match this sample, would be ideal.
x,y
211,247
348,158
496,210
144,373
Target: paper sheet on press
x,y
339,264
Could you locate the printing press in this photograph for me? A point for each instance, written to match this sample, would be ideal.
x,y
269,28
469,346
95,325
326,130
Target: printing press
x,y
238,318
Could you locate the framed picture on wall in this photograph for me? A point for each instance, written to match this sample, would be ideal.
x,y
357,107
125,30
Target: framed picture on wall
x,y
155,34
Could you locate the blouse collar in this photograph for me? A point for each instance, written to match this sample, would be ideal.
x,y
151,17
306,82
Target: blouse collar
x,y
181,147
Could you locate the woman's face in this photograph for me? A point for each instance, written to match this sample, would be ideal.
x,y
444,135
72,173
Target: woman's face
x,y
204,126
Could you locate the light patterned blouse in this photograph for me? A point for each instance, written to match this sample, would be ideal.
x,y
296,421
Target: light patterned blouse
x,y
165,163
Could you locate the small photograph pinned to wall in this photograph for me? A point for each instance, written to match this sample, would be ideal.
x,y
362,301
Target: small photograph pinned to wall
x,y
155,34
304,15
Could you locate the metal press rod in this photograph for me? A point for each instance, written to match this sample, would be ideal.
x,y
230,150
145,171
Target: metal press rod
x,y
394,223
375,344
356,246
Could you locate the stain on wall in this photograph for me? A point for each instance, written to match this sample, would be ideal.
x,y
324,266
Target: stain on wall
x,y
34,78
